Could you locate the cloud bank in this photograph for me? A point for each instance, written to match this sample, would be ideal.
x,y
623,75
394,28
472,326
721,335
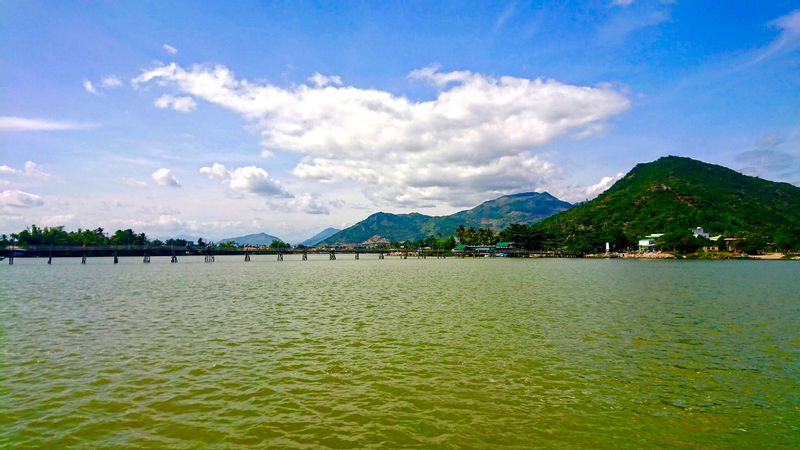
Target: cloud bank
x,y
475,139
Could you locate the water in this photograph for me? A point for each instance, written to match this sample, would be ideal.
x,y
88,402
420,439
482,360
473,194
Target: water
x,y
394,353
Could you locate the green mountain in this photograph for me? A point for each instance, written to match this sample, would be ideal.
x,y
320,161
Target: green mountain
x,y
673,195
252,239
319,237
496,214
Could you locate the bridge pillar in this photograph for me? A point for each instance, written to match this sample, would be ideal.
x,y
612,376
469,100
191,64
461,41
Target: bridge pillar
x,y
280,256
116,257
50,256
332,256
247,257
380,255
356,255
83,259
305,255
174,258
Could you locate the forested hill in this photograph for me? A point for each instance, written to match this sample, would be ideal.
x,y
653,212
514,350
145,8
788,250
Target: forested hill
x,y
496,214
674,194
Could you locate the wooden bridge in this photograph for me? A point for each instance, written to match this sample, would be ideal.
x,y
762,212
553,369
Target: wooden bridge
x,y
209,253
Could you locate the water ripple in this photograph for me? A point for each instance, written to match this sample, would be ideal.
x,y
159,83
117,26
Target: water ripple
x,y
399,353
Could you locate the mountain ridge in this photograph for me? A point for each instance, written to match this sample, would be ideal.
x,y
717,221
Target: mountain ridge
x,y
252,239
526,207
319,237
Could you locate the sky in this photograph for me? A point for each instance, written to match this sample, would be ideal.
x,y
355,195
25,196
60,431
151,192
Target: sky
x,y
217,119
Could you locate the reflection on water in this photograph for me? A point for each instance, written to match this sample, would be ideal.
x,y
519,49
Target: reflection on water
x,y
427,353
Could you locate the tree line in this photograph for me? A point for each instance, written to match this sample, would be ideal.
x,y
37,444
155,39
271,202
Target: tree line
x,y
534,237
43,236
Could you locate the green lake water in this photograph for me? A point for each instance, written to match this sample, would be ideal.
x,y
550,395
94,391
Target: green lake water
x,y
481,353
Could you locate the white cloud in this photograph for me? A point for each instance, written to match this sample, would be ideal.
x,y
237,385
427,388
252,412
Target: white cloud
x,y
111,82
182,104
170,49
11,123
622,3
90,88
433,75
319,80
20,199
216,172
308,203
620,27
133,182
255,180
164,177
34,170
601,186
31,169
246,180
477,138
789,38
508,13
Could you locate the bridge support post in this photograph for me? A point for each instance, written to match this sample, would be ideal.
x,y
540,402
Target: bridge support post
x,y
50,256
246,257
174,258
332,256
146,258
83,259
356,255
305,255
116,257
280,256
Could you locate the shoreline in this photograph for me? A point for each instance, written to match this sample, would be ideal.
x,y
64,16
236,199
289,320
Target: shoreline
x,y
775,256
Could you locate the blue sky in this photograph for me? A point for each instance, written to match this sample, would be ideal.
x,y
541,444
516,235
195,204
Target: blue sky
x,y
227,118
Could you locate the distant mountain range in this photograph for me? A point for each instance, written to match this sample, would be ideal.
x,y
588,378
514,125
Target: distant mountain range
x,y
252,239
675,194
497,214
319,237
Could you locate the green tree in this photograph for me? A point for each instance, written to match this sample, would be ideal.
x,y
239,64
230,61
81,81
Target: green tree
x,y
682,242
751,244
279,244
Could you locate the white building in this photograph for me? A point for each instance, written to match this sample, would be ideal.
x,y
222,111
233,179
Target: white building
x,y
700,232
648,243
